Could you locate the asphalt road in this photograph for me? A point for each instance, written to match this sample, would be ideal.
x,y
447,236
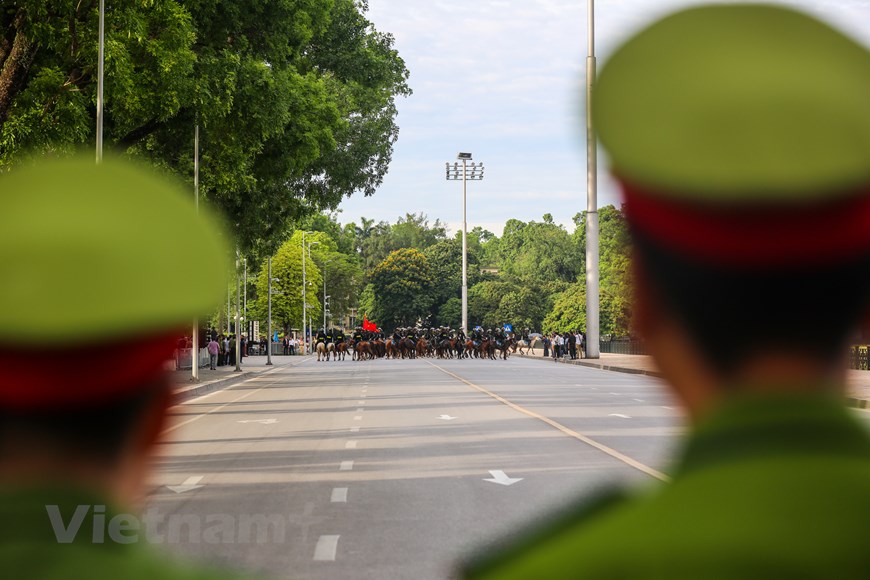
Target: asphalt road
x,y
396,469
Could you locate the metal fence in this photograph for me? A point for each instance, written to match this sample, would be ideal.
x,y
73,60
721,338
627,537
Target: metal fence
x,y
622,345
183,358
858,358
858,355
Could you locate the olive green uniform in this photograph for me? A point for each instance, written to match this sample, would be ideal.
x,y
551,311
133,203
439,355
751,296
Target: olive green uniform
x,y
775,487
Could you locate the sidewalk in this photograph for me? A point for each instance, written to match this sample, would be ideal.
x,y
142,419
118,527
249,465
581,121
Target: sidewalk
x,y
222,377
858,382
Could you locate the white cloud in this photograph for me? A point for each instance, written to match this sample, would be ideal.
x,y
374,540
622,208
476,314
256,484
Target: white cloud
x,y
505,80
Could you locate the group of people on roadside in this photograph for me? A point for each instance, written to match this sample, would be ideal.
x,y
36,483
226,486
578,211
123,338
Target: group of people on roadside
x,y
222,350
558,345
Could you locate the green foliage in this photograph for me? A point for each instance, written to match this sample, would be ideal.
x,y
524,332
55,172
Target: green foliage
x,y
524,308
484,300
287,289
450,313
614,268
403,288
374,242
569,310
295,99
445,258
538,252
367,303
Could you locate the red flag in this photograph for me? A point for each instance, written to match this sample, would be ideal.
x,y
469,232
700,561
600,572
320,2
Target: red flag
x,y
371,326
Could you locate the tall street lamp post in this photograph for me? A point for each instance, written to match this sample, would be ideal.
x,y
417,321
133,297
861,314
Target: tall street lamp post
x,y
194,352
325,297
304,306
454,173
592,298
238,334
304,288
269,336
101,57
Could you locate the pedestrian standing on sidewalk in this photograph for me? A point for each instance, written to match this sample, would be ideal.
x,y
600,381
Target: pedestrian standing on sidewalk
x,y
231,349
213,350
572,345
546,340
740,134
78,428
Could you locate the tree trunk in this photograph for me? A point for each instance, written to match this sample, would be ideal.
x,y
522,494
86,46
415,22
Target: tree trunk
x,y
15,66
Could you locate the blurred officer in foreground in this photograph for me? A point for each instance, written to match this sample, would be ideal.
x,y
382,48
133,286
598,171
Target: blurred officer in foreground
x,y
741,137
96,285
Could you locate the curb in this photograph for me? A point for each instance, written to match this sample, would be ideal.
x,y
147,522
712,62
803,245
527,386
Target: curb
x,y
599,366
196,389
853,402
858,403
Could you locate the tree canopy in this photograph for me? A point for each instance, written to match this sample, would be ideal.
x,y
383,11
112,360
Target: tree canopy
x,y
295,99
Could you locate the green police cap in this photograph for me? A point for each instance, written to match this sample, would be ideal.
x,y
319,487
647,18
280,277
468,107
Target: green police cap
x,y
97,253
732,103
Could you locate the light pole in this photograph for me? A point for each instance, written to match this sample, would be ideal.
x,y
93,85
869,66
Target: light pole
x,y
101,57
304,306
269,336
453,173
194,353
592,299
325,297
305,285
238,368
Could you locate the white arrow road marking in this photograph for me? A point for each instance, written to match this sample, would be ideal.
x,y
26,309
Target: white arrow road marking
x,y
189,484
339,495
447,418
346,466
619,415
326,548
358,418
354,429
261,421
350,445
501,478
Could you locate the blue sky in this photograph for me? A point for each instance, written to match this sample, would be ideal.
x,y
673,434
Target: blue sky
x,y
505,80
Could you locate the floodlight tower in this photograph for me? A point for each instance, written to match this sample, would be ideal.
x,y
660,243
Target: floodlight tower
x,y
465,172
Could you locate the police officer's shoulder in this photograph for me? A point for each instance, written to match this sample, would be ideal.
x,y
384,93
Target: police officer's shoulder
x,y
507,556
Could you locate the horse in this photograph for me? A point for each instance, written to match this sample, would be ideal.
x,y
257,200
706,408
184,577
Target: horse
x,y
322,351
407,347
521,344
341,349
379,348
505,347
422,347
362,350
444,349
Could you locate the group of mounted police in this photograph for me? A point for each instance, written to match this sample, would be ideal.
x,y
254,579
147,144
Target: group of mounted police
x,y
414,342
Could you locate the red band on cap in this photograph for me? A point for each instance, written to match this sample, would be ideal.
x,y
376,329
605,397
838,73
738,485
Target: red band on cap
x,y
80,376
754,236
